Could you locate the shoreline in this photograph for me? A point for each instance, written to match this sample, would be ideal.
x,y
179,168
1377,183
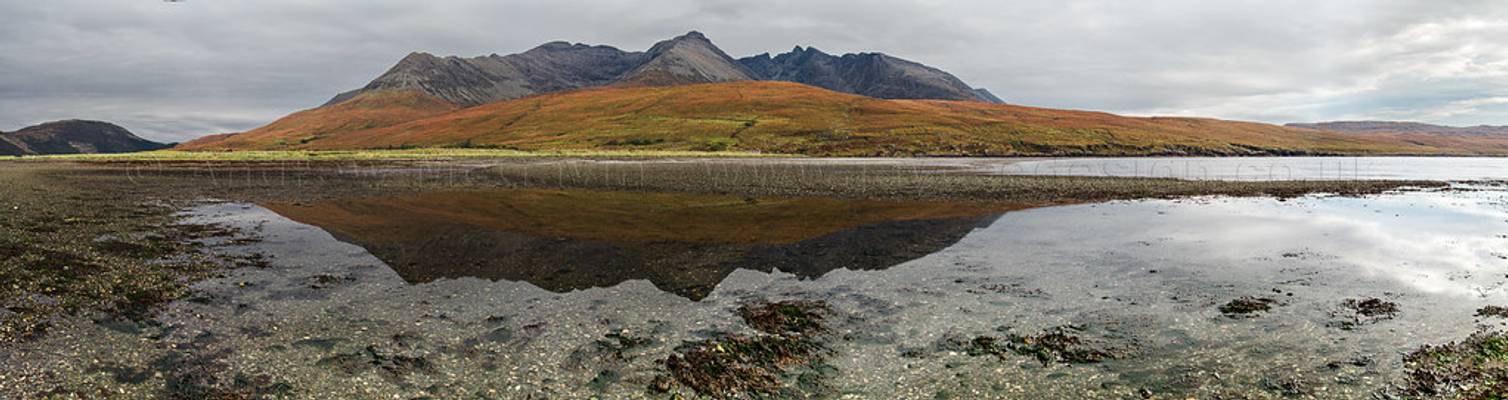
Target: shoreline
x,y
434,154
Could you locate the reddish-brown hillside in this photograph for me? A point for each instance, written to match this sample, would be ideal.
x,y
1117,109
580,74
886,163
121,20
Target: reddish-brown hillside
x,y
792,118
366,111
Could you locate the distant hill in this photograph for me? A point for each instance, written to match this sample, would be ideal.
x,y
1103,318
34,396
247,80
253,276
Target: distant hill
x,y
790,118
687,59
73,137
1403,127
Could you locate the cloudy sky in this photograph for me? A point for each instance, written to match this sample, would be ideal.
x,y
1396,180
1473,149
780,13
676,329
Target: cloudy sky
x,y
176,70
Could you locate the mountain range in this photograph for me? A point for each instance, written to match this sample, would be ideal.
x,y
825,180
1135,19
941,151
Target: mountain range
x,y
687,59
73,137
1402,127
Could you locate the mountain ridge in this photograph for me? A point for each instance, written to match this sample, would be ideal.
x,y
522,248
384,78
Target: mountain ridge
x,y
869,74
687,59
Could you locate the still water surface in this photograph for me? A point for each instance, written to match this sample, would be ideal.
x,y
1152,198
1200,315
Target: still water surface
x,y
1268,168
513,294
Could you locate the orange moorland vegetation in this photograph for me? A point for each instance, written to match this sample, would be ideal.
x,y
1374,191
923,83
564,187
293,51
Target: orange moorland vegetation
x,y
789,118
368,111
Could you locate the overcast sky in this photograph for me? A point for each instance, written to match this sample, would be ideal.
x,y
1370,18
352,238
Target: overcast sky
x,y
173,71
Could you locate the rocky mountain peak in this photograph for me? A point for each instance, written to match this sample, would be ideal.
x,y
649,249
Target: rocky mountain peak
x,y
693,39
689,58
417,59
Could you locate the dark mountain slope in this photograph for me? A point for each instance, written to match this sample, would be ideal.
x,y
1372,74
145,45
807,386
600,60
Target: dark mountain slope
x,y
74,137
551,67
9,149
869,74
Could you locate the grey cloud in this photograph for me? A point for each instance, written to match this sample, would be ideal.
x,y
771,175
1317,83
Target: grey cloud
x,y
173,71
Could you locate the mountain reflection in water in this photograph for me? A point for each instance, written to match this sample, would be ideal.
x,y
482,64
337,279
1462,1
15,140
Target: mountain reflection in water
x,y
564,240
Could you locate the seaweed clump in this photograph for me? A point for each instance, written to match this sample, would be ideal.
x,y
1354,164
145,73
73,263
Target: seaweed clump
x,y
1357,312
1475,368
736,365
785,317
1056,345
1246,306
1493,311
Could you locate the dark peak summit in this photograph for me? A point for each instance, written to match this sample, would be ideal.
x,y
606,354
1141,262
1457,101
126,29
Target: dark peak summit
x,y
800,54
418,57
807,51
692,38
869,74
564,46
690,58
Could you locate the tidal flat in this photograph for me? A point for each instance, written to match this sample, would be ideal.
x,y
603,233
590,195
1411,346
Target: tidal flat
x,y
561,278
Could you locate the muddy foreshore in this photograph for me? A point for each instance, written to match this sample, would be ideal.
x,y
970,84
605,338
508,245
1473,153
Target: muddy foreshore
x,y
105,245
